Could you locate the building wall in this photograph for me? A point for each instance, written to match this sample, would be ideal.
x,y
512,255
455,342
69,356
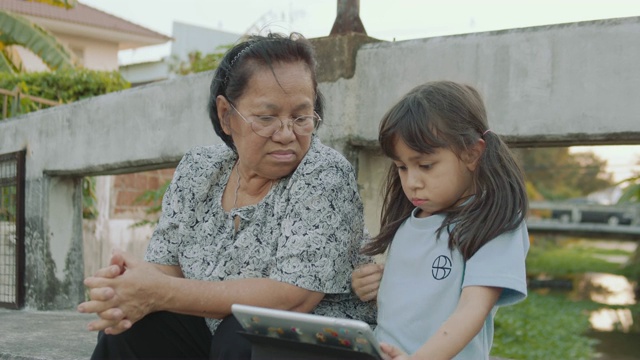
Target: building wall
x,y
95,54
127,188
92,54
571,84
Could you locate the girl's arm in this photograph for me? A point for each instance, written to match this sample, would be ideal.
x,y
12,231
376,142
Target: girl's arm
x,y
466,321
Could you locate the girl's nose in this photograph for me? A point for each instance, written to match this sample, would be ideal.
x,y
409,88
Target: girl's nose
x,y
414,180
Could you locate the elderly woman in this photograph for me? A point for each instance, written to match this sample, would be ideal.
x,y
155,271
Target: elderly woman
x,y
270,218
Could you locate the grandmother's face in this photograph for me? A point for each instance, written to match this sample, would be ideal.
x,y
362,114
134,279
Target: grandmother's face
x,y
287,95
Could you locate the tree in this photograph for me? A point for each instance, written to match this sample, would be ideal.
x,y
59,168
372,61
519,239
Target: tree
x,y
17,30
631,192
557,174
198,62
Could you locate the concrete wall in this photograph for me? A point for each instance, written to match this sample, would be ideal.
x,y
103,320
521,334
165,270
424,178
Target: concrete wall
x,y
561,84
555,85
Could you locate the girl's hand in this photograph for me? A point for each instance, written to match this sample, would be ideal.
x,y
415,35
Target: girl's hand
x,y
365,281
392,352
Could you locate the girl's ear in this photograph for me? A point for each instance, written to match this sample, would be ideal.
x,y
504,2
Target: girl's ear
x,y
473,154
222,104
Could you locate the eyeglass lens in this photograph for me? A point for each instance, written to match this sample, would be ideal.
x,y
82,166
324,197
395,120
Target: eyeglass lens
x,y
269,125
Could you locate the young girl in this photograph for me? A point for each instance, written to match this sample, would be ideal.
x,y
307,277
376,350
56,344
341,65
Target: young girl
x,y
456,240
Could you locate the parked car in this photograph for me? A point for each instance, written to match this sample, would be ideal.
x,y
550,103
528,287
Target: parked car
x,y
588,211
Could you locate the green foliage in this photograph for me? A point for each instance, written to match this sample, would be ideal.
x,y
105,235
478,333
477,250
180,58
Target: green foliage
x,y
631,192
60,3
65,86
18,30
8,203
153,198
198,62
558,174
632,268
89,200
571,257
544,327
551,326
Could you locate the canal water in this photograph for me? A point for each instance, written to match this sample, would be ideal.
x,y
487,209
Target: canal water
x,y
614,325
616,329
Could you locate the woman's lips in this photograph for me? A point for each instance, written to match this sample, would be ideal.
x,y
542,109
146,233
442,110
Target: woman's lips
x,y
283,155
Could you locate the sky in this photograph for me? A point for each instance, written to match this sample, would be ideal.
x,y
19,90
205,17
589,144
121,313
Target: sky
x,y
383,19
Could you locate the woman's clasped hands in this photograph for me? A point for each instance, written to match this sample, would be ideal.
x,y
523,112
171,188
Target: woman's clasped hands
x,y
122,293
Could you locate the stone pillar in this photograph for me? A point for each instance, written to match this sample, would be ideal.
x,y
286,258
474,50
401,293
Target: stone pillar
x,y
336,56
53,243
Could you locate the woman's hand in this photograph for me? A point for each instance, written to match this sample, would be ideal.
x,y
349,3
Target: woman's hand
x,y
365,281
120,298
392,352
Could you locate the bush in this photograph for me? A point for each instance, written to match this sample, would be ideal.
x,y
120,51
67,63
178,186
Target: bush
x,y
64,86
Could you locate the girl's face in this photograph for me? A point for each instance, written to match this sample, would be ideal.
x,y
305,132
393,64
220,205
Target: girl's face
x,y
434,182
287,95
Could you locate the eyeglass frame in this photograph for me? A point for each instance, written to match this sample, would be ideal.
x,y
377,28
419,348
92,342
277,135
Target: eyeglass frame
x,y
291,121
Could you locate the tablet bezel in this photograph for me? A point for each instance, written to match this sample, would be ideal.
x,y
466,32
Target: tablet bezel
x,y
350,334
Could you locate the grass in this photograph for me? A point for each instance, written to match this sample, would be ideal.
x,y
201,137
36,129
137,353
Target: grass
x,y
561,258
550,325
544,327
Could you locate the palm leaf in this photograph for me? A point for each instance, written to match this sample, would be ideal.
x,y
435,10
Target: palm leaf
x,y
17,30
67,4
630,194
5,64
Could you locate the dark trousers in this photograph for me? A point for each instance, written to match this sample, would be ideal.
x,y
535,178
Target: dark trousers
x,y
166,335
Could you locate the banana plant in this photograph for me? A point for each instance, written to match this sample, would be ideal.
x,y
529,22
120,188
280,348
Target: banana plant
x,y
18,30
632,192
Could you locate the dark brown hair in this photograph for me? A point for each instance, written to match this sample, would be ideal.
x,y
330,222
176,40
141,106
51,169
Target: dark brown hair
x,y
449,115
241,61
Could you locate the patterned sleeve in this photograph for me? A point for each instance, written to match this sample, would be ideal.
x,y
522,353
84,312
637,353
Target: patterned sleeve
x,y
163,247
322,229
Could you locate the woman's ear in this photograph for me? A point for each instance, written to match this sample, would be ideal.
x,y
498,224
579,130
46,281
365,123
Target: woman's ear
x,y
222,104
473,154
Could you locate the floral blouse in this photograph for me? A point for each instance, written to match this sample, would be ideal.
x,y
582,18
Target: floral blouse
x,y
306,231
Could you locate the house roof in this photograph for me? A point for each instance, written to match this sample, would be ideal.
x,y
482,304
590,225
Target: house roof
x,y
86,21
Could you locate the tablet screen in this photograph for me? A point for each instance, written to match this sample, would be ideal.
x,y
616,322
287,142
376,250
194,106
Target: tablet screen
x,y
307,328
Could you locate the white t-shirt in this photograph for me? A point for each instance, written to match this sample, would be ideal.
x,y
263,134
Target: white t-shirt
x,y
423,281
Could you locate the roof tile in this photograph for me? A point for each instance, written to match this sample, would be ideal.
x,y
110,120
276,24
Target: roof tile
x,y
80,14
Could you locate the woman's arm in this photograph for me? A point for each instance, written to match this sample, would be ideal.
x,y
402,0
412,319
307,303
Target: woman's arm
x,y
466,321
145,288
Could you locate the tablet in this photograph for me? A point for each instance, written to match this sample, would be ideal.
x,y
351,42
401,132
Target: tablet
x,y
307,328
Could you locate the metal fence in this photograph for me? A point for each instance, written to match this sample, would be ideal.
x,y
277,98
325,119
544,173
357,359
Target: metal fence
x,y
12,254
14,102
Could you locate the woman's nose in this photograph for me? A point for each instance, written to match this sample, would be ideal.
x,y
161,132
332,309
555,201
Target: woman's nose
x,y
285,131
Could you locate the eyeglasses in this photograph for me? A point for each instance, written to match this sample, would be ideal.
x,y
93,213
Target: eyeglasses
x,y
267,126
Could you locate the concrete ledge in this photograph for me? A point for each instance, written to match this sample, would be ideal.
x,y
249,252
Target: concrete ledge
x,y
45,335
48,335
